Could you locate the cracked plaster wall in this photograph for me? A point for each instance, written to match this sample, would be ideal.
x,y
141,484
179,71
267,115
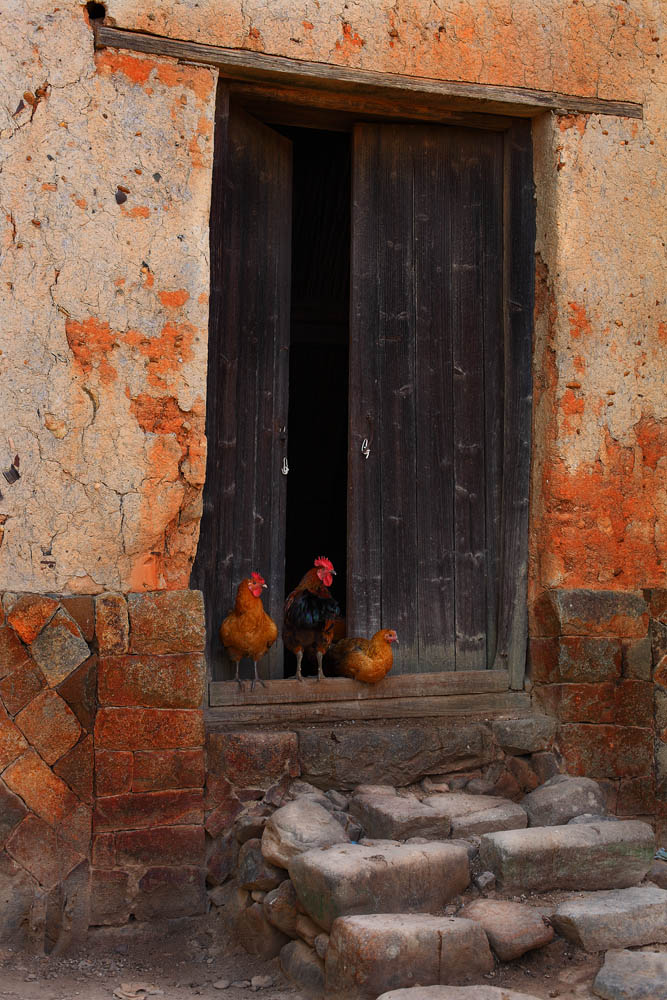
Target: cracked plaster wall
x,y
105,314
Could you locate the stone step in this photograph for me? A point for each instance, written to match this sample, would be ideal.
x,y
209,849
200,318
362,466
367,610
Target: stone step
x,y
368,955
512,928
456,993
578,856
561,798
388,878
620,918
396,817
632,975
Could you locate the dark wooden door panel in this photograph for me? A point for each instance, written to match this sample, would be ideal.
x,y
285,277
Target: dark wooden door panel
x,y
427,306
243,523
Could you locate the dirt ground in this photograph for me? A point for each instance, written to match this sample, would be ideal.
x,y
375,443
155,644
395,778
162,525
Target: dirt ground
x,y
185,959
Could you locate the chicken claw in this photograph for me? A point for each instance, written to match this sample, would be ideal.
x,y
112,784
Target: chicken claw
x,y
256,679
299,657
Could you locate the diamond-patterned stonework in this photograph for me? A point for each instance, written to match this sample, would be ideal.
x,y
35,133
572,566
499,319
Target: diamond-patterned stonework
x,y
60,648
49,725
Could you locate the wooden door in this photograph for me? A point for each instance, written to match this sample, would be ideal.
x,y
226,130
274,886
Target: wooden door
x,y
243,522
428,384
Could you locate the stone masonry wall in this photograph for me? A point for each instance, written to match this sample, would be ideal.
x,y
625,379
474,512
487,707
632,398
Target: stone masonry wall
x,y
101,761
597,662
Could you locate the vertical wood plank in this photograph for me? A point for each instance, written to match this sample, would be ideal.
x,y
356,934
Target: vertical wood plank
x,y
519,275
243,523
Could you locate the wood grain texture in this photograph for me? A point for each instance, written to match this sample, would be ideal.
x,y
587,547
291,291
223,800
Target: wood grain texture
x,y
243,524
289,691
477,706
246,65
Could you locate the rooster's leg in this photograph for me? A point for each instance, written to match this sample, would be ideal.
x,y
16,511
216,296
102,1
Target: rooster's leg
x,y
256,679
236,675
299,657
320,672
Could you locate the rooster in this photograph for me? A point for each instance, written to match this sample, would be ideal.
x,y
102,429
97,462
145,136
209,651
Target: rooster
x,y
367,660
248,630
310,614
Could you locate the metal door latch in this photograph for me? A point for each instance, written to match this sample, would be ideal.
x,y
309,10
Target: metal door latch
x,y
365,450
285,468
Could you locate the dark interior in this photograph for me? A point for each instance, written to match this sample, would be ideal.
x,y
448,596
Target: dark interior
x,y
319,348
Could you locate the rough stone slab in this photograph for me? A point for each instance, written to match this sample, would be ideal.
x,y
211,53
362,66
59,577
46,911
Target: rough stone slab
x,y
353,879
561,798
59,648
253,760
297,827
148,681
508,816
254,871
456,993
370,954
527,735
112,625
170,892
621,918
302,965
257,935
600,612
167,622
12,811
632,975
391,754
392,817
512,928
29,614
17,891
280,908
49,725
602,856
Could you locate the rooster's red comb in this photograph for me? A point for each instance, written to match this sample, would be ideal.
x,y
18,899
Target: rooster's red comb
x,y
324,562
257,577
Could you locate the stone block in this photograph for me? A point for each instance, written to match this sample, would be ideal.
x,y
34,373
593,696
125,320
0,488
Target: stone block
x,y
76,768
368,955
221,820
82,610
576,856
253,760
76,827
103,851
148,809
155,770
384,878
254,871
41,790
545,766
621,918
114,770
17,892
80,692
660,707
298,827
166,845
12,740
49,725
280,907
59,648
149,729
390,754
520,769
12,651
512,928
221,861
167,621
175,681
21,685
250,825
527,735
112,624
575,659
37,847
30,614
12,811
170,892
637,658
657,602
632,975
561,798
303,966
636,796
600,612
257,935
577,702
109,897
508,816
392,817
606,751
658,873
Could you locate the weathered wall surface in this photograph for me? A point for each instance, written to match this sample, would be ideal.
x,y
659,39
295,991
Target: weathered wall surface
x,y
105,185
105,188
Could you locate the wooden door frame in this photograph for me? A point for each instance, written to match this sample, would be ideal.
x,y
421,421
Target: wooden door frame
x,y
484,692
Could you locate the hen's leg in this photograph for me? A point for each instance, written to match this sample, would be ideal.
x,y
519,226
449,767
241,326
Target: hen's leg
x,y
299,657
236,675
320,672
256,679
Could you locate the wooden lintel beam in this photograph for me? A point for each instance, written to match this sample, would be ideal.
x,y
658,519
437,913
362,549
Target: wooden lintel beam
x,y
242,64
